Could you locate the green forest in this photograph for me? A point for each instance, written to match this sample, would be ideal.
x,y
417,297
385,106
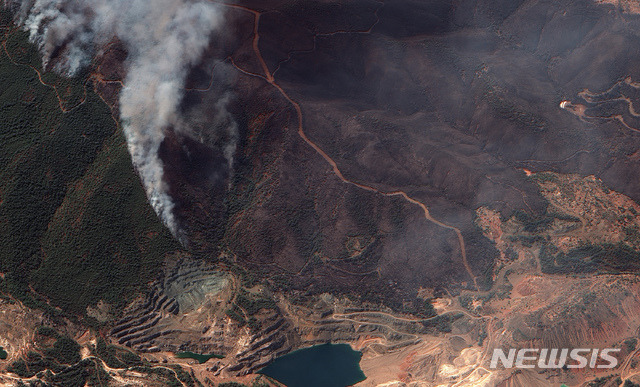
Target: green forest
x,y
75,225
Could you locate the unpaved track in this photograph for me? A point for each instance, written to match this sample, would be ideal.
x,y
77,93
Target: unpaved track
x,y
268,77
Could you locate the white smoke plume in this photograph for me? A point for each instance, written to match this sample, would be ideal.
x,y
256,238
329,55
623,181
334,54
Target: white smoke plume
x,y
163,39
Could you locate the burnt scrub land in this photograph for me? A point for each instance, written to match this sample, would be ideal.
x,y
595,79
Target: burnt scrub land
x,y
371,132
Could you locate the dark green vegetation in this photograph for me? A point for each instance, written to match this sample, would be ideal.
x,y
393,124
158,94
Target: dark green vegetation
x,y
586,258
56,359
605,380
74,219
421,308
532,223
247,304
116,357
441,323
630,344
608,380
171,375
601,381
537,223
86,372
252,303
201,358
590,258
327,365
3,354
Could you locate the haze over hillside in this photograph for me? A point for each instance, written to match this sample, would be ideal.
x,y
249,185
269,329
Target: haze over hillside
x,y
424,180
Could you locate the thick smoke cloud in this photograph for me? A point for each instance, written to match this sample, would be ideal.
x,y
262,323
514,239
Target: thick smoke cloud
x,y
164,38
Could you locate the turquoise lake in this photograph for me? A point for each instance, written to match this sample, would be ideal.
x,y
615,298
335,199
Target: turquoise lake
x,y
326,365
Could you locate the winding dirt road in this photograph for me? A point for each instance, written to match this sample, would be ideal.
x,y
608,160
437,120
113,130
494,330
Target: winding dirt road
x,y
61,103
269,78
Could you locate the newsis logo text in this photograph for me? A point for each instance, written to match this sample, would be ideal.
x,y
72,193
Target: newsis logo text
x,y
554,358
